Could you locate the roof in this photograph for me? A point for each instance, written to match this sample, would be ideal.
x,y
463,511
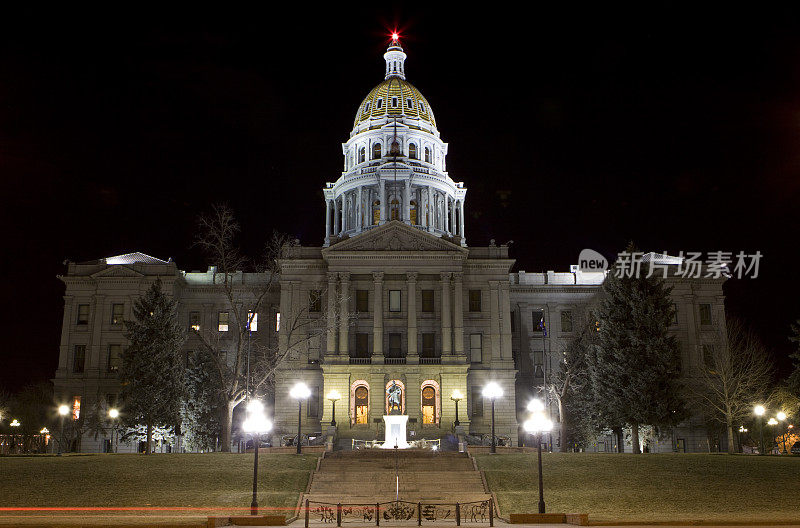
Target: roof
x,y
405,92
133,258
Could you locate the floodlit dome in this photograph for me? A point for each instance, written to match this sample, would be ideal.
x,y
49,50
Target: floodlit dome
x,y
395,97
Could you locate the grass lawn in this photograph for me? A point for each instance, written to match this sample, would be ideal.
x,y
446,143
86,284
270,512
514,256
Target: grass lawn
x,y
650,488
214,480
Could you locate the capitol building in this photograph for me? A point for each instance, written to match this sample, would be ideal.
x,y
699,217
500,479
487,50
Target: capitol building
x,y
427,312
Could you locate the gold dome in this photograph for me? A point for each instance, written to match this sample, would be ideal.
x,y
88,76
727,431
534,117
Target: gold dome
x,y
395,97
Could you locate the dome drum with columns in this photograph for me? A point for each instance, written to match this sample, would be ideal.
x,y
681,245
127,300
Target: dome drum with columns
x,y
394,165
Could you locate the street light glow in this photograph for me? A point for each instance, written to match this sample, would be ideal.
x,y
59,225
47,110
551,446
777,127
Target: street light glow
x,y
539,423
334,395
492,391
781,416
772,421
255,406
759,410
457,396
15,423
256,421
113,414
300,391
63,409
536,405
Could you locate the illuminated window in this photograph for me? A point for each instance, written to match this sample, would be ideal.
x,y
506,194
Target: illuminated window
x,y
537,320
412,151
427,301
277,321
705,314
427,155
79,359
394,300
376,151
413,212
114,353
194,321
362,301
222,321
474,300
428,405
76,407
83,314
253,319
362,405
117,313
315,301
566,321
476,348
428,345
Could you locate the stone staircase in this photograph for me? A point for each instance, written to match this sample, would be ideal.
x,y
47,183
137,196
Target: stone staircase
x,y
368,476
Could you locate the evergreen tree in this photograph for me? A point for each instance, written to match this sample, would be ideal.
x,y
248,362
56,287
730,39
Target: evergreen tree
x,y
203,408
635,367
152,371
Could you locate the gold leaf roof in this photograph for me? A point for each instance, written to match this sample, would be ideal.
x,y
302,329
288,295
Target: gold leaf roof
x,y
408,102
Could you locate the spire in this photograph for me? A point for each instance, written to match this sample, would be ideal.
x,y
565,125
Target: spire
x,y
395,59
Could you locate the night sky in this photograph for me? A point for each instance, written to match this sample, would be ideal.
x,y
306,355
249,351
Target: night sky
x,y
676,128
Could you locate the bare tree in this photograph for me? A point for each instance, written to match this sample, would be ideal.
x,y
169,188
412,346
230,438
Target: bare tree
x,y
734,372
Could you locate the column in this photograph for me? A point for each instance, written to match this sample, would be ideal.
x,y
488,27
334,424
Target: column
x,y
344,310
336,215
377,315
411,277
345,212
429,208
383,206
407,202
505,318
461,232
67,324
285,311
93,351
327,221
331,343
495,320
458,314
452,216
360,211
447,336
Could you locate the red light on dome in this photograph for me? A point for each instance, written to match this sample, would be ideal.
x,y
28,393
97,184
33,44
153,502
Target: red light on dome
x,y
395,36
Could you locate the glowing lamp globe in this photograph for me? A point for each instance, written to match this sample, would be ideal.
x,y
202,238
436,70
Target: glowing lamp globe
x,y
781,416
772,421
759,410
257,423
536,405
395,37
300,391
457,396
334,395
539,423
113,414
63,410
492,391
255,406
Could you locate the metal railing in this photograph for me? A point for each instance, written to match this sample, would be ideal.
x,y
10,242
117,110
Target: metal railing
x,y
422,443
400,512
394,360
430,361
360,360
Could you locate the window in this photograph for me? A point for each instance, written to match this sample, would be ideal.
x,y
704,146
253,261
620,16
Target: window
x,y
566,321
708,356
114,353
79,359
705,314
422,106
83,314
474,300
394,102
380,103
513,318
394,300
537,320
362,345
76,407
362,155
538,363
477,402
361,405
116,313
194,321
222,321
674,315
476,348
252,318
376,151
412,151
427,155
362,301
277,321
410,102
315,301
428,405
366,108
395,350
427,301
428,345
312,407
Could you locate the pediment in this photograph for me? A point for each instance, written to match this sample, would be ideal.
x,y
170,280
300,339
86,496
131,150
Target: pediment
x,y
394,236
117,271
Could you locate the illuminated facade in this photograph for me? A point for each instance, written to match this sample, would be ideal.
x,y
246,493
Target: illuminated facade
x,y
424,313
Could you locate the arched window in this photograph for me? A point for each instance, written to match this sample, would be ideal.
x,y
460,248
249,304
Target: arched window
x,y
413,205
366,109
376,212
395,209
359,406
427,155
380,103
362,155
421,106
394,102
412,151
376,151
410,102
430,402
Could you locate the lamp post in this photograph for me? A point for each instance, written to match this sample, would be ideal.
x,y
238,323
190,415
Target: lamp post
x,y
759,411
63,411
457,397
333,396
256,424
300,392
493,391
781,416
537,425
114,415
14,423
742,429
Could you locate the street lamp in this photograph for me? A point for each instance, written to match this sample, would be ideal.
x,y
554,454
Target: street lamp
x,y
14,423
742,429
759,411
457,397
299,392
256,424
63,411
333,396
492,391
537,425
114,415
